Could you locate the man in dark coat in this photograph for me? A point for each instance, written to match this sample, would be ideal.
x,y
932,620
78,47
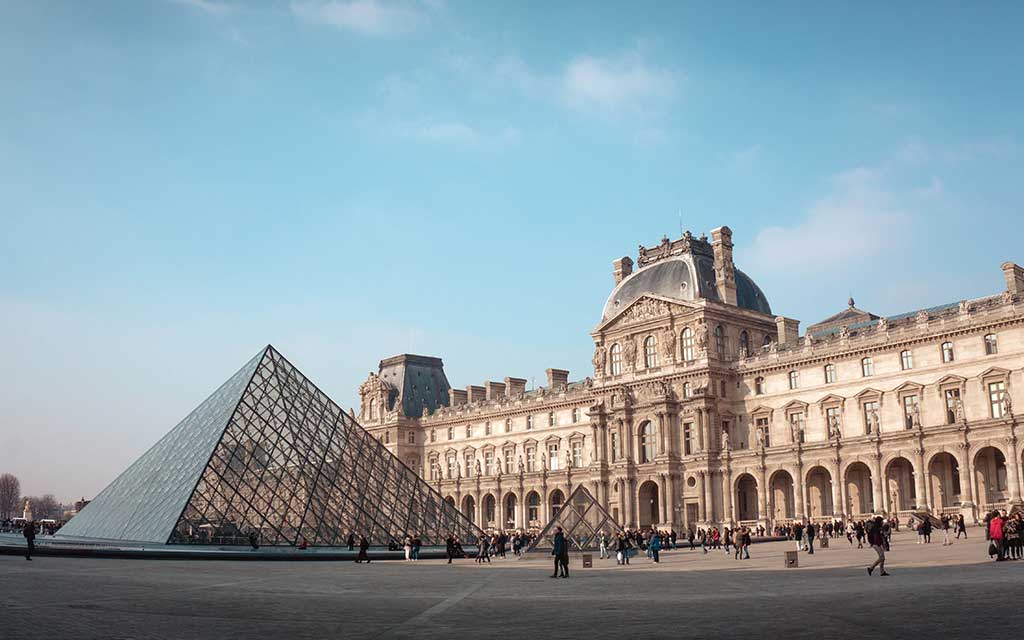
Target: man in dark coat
x,y
449,547
810,531
364,545
561,553
30,538
351,541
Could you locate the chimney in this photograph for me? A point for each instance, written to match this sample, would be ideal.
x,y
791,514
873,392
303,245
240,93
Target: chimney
x,y
515,386
458,397
623,267
475,393
557,378
788,329
725,270
495,390
1014,275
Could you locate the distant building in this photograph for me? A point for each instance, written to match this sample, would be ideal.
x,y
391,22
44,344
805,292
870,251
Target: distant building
x,y
706,408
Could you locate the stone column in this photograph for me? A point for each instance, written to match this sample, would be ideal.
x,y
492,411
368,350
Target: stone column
x,y
1012,475
623,503
762,491
709,498
730,503
627,440
701,425
877,486
545,504
837,495
702,508
920,484
662,499
966,484
798,489
670,497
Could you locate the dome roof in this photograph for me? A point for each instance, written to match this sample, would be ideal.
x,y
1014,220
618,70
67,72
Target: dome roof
x,y
686,278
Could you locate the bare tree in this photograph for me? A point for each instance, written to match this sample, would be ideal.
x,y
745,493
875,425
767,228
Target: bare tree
x,y
10,491
48,507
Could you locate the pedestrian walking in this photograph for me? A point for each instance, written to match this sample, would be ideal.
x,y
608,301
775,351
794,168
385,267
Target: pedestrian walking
x,y
449,547
654,546
483,549
560,551
351,541
30,538
364,546
961,527
877,542
809,532
995,536
604,545
945,530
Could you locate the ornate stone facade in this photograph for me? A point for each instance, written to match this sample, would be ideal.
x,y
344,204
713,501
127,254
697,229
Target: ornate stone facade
x,y
705,408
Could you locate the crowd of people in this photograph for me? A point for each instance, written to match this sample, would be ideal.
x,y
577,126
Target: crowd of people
x,y
1003,532
43,527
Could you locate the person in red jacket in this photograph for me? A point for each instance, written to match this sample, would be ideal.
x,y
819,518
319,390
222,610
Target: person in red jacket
x,y
995,534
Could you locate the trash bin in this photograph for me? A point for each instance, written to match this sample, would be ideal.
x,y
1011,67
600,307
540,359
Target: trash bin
x,y
588,560
791,560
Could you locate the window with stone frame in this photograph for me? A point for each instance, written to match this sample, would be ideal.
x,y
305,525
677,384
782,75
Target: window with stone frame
x,y
689,445
452,472
451,433
435,469
796,421
533,507
867,367
616,359
910,408
991,345
373,408
833,414
686,390
742,444
487,428
470,465
553,456
996,389
952,397
906,360
508,425
531,459
721,389
794,379
387,437
870,409
650,352
411,437
744,344
509,455
947,352
488,462
687,342
469,431
552,419
761,423
575,415
758,386
433,435
830,373
647,448
720,341
529,423
577,454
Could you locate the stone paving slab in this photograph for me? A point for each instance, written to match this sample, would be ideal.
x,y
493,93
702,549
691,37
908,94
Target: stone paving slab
x,y
954,591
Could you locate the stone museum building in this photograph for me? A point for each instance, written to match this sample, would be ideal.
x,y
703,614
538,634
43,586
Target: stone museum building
x,y
705,408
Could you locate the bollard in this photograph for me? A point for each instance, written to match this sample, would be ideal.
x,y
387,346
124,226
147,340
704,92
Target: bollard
x,y
588,560
791,559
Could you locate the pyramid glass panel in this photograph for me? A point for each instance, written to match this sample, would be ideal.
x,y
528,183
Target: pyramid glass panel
x,y
582,520
270,454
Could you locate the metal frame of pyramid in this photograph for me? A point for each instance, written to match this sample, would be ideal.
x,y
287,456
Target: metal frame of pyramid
x,y
582,520
269,453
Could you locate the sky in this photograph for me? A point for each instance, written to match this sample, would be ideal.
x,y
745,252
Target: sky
x,y
185,181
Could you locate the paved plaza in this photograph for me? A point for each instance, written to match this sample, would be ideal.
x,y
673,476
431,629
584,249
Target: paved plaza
x,y
953,591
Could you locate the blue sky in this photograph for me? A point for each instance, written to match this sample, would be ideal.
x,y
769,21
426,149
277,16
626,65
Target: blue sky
x,y
182,182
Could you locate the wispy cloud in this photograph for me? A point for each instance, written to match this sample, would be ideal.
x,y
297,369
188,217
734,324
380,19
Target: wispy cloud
x,y
367,17
211,7
626,84
857,220
444,132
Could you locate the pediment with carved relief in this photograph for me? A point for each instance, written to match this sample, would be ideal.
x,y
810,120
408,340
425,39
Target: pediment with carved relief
x,y
644,309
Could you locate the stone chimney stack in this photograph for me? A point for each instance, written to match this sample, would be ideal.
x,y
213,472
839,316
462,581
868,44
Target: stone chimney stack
x,y
1014,278
515,386
557,378
458,397
495,390
725,270
788,329
475,393
623,267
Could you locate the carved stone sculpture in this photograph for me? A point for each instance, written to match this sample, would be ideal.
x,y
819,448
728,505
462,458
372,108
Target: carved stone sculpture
x,y
600,356
629,353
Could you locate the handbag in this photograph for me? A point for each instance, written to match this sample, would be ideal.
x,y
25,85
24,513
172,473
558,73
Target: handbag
x,y
992,549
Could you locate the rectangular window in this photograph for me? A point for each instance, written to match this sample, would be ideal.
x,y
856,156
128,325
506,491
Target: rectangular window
x,y
433,435
794,379
688,447
468,459
451,467
412,437
991,346
508,426
553,457
870,415
832,420
509,454
867,367
615,446
763,432
906,360
529,423
947,352
830,373
487,428
531,459
451,433
469,431
575,414
995,398
552,419
434,473
911,411
796,421
488,463
952,403
577,455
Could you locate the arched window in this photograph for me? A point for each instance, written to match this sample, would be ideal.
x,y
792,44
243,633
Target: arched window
x,y
720,341
991,346
533,507
830,373
794,379
650,352
373,408
686,389
867,367
647,442
758,385
906,360
686,339
766,341
744,344
616,358
947,352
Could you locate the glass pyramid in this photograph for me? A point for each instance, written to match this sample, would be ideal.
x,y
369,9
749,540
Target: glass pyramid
x,y
269,453
582,520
